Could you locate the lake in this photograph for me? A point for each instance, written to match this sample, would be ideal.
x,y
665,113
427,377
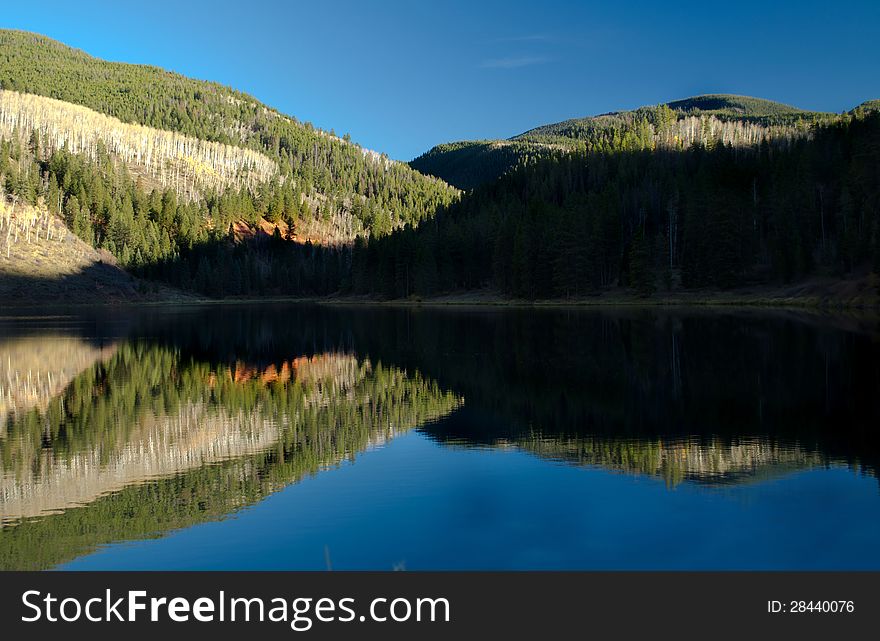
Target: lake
x,y
297,437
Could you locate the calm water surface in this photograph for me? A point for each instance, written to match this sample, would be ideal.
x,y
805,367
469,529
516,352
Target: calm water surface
x,y
296,437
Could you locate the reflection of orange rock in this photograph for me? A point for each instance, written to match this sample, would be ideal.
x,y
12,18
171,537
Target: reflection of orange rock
x,y
338,368
272,375
158,443
243,373
302,363
330,366
269,375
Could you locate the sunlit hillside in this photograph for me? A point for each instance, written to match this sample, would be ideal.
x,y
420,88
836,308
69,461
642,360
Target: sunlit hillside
x,y
42,261
166,158
336,175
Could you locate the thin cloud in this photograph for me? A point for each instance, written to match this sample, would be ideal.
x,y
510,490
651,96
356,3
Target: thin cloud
x,y
513,62
533,37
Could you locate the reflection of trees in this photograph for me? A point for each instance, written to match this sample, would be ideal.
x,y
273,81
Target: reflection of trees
x,y
150,441
799,385
696,396
34,369
157,446
713,462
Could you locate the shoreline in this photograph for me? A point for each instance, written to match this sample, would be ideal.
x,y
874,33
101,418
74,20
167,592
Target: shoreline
x,y
707,299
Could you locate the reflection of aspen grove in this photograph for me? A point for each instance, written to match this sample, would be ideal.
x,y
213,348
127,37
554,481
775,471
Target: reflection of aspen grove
x,y
158,446
153,442
714,461
35,369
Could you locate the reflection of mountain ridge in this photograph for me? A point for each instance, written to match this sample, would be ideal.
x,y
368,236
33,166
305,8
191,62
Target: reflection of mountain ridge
x,y
710,463
793,379
166,445
150,441
652,375
707,462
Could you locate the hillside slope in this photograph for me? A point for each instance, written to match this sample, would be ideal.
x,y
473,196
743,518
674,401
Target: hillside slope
x,y
735,120
43,262
333,175
165,173
737,106
187,164
796,214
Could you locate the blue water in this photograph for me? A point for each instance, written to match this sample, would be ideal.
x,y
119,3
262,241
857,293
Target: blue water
x,y
417,505
291,437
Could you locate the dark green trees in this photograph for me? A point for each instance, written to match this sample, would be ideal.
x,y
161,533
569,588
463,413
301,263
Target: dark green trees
x,y
704,217
641,274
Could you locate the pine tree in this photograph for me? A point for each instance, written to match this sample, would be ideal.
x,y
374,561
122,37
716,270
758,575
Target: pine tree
x,y
641,276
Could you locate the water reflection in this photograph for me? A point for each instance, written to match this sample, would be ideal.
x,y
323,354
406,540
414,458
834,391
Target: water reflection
x,y
35,369
134,425
209,437
706,462
676,386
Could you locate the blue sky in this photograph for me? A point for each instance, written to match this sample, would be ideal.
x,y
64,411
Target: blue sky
x,y
401,77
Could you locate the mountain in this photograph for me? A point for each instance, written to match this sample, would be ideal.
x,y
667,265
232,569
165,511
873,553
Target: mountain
x,y
467,164
737,120
868,105
778,212
205,189
736,106
180,179
323,168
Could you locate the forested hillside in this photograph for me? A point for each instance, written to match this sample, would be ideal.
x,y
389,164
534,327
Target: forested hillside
x,y
334,175
161,170
713,214
468,164
204,188
735,120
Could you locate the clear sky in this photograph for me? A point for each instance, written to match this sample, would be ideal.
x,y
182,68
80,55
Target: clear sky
x,y
402,76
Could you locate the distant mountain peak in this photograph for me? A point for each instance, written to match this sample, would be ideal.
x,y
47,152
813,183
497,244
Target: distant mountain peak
x,y
733,104
732,118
